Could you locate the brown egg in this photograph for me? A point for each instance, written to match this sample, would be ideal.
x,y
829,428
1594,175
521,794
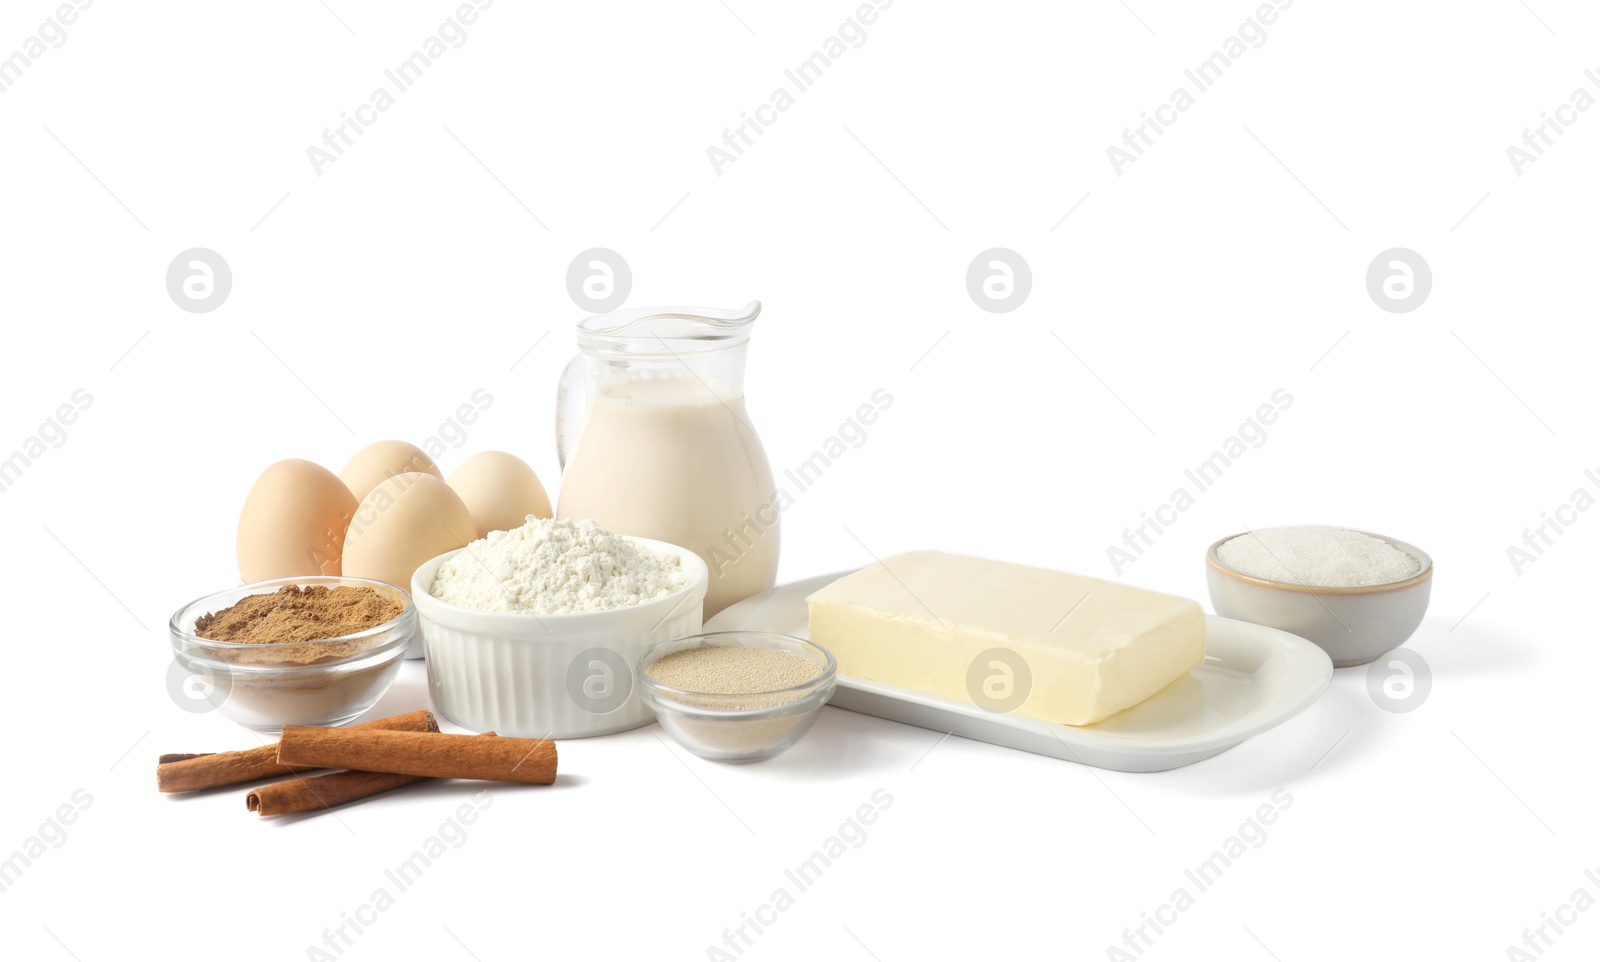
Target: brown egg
x,y
500,490
382,460
400,524
293,522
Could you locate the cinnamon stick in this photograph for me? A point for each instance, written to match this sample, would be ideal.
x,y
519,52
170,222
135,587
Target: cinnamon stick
x,y
295,795
323,791
189,773
526,760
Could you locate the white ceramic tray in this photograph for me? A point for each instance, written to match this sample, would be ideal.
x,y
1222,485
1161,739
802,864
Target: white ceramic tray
x,y
1253,678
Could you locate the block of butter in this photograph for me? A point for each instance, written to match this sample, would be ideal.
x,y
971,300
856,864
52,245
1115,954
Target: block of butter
x,y
1045,644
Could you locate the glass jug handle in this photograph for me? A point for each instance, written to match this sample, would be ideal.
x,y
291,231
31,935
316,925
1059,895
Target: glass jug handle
x,y
570,401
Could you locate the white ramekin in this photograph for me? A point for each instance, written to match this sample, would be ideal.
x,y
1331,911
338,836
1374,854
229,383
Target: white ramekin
x,y
549,676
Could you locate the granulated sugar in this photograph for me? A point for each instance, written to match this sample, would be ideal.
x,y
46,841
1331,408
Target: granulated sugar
x,y
1315,555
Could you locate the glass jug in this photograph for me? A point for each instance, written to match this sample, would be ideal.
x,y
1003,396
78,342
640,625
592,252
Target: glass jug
x,y
654,441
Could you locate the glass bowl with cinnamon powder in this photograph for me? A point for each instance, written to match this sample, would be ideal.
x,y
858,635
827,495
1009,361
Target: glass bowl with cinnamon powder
x,y
292,651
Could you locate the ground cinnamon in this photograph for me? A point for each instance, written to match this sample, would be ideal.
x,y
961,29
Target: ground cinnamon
x,y
527,760
299,613
189,773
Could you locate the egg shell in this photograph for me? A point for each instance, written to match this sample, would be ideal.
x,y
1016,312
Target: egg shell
x,y
500,490
403,522
293,522
382,460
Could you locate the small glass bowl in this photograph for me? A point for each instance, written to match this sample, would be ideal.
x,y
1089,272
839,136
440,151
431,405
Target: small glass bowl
x,y
266,686
724,727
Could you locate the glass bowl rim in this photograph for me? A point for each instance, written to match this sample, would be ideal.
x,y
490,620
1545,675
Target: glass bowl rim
x,y
407,615
827,678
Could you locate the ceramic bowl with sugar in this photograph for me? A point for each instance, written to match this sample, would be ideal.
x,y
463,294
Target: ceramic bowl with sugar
x,y
1354,624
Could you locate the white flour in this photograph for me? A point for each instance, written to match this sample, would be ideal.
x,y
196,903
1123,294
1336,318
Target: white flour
x,y
554,567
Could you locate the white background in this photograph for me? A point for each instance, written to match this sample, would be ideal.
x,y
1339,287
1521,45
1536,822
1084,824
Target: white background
x,y
369,301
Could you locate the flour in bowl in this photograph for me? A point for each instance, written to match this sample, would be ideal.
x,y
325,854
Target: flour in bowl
x,y
557,567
